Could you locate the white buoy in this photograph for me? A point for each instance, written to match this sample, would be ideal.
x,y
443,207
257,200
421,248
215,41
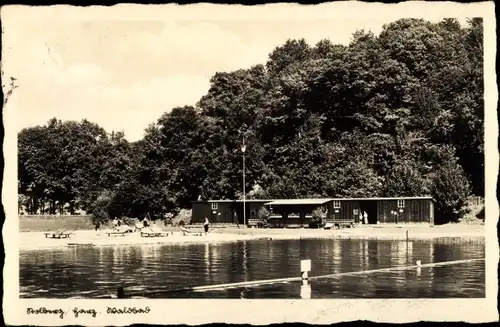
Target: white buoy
x,y
305,268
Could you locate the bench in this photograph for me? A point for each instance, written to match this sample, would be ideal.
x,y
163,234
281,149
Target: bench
x,y
116,233
253,222
339,223
154,234
257,223
344,223
57,235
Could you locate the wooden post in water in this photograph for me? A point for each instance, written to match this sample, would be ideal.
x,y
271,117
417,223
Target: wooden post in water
x,y
419,267
120,293
406,236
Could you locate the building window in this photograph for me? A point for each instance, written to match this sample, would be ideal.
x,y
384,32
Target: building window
x,y
214,206
401,203
336,204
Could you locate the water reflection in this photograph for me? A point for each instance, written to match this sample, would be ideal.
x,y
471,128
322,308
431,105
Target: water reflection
x,y
93,271
245,262
206,261
337,257
409,251
305,290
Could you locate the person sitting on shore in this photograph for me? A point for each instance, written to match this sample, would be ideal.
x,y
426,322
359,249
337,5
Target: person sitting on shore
x,y
185,231
115,223
138,226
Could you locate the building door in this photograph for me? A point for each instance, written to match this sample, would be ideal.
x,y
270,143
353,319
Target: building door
x,y
253,214
357,216
336,210
214,212
228,216
370,207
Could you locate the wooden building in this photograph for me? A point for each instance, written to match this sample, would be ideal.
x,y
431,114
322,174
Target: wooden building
x,y
294,212
225,211
398,210
298,212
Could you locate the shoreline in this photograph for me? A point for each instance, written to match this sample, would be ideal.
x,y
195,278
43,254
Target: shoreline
x,y
37,240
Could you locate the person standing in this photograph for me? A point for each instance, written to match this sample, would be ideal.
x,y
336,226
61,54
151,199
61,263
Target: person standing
x,y
365,218
205,225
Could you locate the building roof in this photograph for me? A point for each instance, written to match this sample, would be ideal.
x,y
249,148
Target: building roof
x,y
298,201
233,201
314,200
393,198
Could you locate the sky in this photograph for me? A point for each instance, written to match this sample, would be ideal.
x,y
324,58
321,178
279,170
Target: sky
x,y
122,67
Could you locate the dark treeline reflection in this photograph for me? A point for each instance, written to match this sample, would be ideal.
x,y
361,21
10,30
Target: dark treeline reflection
x,y
144,270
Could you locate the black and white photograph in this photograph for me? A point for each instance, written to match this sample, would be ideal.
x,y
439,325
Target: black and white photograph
x,y
247,154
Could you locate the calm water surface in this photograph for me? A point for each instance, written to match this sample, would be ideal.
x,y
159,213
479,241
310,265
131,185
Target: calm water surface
x,y
154,271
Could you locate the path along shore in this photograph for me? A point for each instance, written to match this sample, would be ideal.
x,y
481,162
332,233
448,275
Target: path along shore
x,y
37,240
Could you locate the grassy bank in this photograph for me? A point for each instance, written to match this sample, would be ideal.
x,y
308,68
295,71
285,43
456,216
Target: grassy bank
x,y
53,223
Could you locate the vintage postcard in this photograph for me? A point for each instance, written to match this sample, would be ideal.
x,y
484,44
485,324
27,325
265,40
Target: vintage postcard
x,y
252,165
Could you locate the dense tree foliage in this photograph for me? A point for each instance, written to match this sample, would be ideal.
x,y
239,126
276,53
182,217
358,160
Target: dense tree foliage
x,y
398,114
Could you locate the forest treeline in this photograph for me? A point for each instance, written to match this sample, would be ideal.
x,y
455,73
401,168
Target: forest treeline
x,y
398,114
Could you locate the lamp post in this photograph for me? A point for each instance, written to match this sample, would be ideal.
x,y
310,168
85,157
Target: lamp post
x,y
243,149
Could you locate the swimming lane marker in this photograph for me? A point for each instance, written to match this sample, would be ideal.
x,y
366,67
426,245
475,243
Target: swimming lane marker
x,y
305,286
